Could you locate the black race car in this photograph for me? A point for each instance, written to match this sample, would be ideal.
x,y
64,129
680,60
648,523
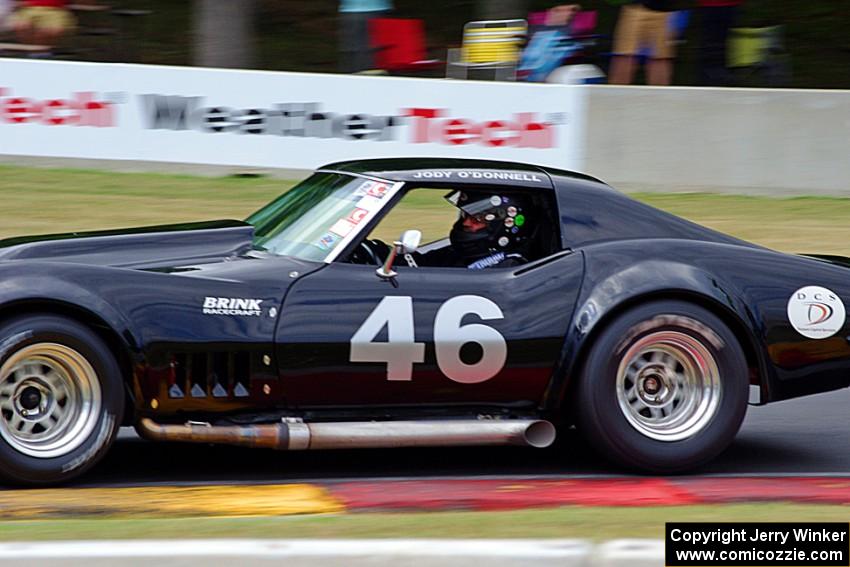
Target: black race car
x,y
544,299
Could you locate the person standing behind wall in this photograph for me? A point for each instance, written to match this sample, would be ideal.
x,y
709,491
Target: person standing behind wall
x,y
42,22
644,23
717,17
354,15
6,7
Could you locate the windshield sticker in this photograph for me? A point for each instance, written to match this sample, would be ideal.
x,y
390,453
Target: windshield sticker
x,y
372,189
370,203
357,215
378,190
361,212
328,241
361,190
342,227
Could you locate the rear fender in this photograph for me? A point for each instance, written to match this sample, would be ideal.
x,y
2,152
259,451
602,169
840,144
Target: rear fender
x,y
603,299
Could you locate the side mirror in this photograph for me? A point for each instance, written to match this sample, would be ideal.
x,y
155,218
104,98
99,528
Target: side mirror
x,y
407,244
409,241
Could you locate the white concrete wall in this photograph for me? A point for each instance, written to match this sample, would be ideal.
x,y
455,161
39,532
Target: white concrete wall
x,y
636,138
753,140
350,553
268,119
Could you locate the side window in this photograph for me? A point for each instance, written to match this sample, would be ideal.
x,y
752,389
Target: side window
x,y
470,227
425,210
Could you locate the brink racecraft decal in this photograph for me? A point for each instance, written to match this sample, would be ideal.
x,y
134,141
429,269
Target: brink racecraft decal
x,y
233,306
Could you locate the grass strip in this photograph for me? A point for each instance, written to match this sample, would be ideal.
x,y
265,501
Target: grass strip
x,y
38,201
567,522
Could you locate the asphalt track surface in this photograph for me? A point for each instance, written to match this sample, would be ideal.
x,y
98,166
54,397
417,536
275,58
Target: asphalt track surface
x,y
807,436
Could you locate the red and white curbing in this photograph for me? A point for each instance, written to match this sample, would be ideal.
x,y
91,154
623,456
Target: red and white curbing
x,y
520,493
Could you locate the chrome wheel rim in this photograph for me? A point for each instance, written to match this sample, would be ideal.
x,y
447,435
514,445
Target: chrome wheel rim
x,y
668,386
50,400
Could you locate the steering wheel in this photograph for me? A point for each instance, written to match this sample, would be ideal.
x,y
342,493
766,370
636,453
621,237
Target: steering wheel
x,y
373,250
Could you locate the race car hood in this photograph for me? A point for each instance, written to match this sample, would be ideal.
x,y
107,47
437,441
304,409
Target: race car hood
x,y
140,248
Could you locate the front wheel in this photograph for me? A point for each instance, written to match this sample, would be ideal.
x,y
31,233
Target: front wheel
x,y
61,399
664,388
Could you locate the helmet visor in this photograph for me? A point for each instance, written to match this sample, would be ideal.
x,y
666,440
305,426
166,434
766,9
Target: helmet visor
x,y
476,204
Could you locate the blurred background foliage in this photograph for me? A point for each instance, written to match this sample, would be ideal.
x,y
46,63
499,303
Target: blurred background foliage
x,y
301,35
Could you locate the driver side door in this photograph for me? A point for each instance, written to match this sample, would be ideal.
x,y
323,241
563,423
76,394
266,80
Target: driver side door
x,y
348,338
432,335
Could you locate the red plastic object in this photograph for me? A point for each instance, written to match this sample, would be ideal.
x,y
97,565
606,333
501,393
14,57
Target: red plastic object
x,y
584,23
399,44
537,18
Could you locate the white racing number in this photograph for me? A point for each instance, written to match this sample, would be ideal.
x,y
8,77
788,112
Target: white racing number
x,y
450,336
400,351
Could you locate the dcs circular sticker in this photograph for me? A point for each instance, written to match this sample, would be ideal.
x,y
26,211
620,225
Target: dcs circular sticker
x,y
816,312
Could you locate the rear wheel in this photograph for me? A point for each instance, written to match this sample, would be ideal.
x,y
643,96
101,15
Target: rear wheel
x,y
664,388
61,399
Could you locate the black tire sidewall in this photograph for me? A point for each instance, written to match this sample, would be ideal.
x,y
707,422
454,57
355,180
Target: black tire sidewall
x,y
601,418
26,330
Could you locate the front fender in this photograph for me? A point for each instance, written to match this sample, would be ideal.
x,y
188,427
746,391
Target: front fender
x,y
59,284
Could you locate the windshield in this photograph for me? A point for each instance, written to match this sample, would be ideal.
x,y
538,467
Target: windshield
x,y
317,218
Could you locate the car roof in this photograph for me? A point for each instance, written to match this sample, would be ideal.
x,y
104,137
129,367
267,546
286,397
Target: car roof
x,y
590,211
455,171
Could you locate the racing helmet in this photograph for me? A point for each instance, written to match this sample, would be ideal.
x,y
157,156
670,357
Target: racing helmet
x,y
507,223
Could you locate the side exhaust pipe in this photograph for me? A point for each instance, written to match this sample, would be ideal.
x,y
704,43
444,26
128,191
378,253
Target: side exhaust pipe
x,y
297,435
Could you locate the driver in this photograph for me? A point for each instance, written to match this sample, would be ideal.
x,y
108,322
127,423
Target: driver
x,y
492,230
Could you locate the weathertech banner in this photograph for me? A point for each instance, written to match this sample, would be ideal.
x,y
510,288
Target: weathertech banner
x,y
761,544
273,119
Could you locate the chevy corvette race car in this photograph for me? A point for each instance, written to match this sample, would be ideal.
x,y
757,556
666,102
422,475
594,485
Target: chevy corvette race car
x,y
304,328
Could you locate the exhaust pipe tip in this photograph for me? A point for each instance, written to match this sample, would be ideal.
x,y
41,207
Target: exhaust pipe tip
x,y
539,434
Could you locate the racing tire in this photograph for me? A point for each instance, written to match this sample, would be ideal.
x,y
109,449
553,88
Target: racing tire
x,y
664,388
61,399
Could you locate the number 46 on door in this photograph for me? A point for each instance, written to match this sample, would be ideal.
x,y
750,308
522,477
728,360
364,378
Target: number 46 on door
x,y
401,351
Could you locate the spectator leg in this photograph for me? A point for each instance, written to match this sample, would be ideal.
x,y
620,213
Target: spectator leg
x,y
46,36
355,53
346,42
626,44
659,72
622,70
716,23
25,32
